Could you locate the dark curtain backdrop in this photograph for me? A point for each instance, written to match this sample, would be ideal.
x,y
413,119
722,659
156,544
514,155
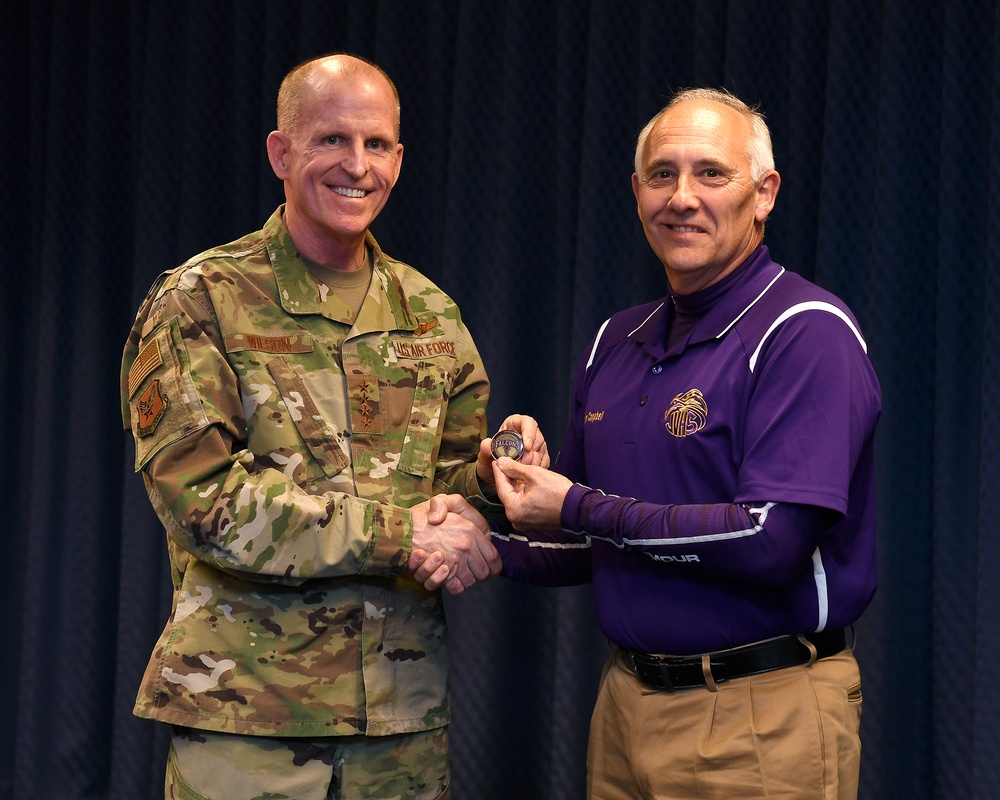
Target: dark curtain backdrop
x,y
132,137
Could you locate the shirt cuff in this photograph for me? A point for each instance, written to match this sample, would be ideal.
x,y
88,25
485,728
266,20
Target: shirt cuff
x,y
572,508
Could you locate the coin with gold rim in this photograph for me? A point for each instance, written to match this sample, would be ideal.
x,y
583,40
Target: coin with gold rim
x,y
507,444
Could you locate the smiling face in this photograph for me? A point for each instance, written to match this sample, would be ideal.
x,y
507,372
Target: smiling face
x,y
702,212
339,161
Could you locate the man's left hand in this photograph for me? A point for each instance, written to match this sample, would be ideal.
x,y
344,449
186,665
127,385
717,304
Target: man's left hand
x,y
536,451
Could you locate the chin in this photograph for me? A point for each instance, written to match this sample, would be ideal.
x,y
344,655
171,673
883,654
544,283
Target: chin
x,y
348,228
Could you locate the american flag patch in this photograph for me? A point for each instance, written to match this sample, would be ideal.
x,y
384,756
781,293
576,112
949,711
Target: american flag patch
x,y
149,358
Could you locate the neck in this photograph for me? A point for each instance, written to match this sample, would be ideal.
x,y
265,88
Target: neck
x,y
341,261
340,253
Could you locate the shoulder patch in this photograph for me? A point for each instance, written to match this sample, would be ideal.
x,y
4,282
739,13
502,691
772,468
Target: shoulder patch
x,y
149,409
148,360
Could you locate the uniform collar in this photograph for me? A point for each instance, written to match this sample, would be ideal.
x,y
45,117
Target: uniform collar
x,y
385,307
738,297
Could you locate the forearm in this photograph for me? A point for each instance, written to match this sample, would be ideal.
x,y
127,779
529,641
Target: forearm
x,y
543,557
464,482
760,543
225,510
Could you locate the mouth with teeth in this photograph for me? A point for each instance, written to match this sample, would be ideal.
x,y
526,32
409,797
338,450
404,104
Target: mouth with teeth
x,y
344,191
684,229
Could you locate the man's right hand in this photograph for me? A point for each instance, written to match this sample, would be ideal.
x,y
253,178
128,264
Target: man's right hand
x,y
451,545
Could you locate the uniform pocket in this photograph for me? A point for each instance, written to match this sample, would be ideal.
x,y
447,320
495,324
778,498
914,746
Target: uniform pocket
x,y
321,437
424,424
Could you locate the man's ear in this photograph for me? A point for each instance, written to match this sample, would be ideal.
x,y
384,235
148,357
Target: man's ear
x,y
278,146
767,193
399,162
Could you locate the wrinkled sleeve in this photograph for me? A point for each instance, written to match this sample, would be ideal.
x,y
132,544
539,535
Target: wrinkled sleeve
x,y
761,543
464,423
216,500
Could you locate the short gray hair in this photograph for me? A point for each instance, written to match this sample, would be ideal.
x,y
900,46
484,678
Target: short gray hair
x,y
759,147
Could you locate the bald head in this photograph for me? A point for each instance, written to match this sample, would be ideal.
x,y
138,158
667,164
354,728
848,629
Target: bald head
x,y
303,79
758,140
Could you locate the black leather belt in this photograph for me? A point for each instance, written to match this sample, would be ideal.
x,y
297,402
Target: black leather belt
x,y
669,673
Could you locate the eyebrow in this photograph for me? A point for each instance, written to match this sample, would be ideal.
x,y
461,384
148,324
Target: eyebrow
x,y
699,164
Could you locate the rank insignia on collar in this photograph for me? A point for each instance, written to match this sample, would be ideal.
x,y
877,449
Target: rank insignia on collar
x,y
149,409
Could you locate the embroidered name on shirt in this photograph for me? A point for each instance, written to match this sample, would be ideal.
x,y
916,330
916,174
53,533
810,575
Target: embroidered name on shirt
x,y
593,416
687,414
261,343
269,344
424,349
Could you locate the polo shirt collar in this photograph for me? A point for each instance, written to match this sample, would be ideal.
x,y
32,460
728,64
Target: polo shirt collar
x,y
746,289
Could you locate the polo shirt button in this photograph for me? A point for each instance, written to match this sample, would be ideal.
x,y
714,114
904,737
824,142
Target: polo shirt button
x,y
657,369
643,400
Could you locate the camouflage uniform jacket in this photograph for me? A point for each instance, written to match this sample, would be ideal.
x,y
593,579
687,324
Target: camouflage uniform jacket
x,y
282,448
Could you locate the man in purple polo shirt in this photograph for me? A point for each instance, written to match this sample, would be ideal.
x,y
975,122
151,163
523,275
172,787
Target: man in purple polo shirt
x,y
717,485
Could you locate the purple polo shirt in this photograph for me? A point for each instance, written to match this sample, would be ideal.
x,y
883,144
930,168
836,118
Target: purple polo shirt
x,y
770,398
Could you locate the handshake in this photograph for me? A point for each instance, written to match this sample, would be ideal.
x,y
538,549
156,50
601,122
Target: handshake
x,y
451,540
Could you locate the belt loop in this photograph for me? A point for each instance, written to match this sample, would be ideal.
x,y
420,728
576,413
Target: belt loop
x,y
813,655
706,669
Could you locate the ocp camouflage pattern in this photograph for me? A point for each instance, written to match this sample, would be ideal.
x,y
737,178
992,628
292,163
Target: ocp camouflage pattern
x,y
203,764
281,446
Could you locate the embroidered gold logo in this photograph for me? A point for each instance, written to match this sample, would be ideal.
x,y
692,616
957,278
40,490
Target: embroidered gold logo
x,y
687,414
593,416
149,409
423,327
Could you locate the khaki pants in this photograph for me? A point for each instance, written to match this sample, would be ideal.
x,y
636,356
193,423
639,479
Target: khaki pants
x,y
788,734
217,766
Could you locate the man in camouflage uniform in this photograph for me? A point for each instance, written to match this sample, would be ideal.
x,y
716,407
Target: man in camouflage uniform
x,y
296,399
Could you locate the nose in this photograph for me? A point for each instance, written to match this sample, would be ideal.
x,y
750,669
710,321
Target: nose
x,y
684,196
356,161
